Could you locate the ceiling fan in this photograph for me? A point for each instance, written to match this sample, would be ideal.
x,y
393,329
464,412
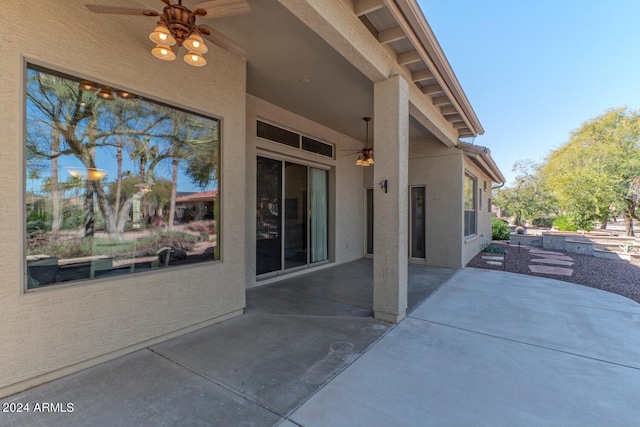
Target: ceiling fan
x,y
365,155
177,26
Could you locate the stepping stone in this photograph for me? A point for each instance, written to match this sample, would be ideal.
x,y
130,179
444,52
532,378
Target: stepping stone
x,y
543,252
545,269
494,263
553,261
493,258
560,257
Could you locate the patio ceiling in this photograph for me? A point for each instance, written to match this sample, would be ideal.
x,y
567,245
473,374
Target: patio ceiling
x,y
289,65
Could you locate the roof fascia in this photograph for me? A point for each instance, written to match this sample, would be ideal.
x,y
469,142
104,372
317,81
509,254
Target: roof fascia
x,y
478,151
414,16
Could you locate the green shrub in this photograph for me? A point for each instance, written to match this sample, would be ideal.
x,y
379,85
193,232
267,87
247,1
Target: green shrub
x,y
495,250
175,239
582,221
37,225
563,223
499,229
62,249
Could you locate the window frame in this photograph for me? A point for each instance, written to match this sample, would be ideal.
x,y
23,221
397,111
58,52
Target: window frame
x,y
470,216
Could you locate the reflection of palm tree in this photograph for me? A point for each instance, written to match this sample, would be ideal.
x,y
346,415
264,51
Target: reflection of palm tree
x,y
143,151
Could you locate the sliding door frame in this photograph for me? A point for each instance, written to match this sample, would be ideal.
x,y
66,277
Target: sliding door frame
x,y
308,164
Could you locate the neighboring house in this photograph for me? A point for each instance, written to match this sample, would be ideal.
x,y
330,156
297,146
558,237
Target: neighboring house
x,y
271,126
196,206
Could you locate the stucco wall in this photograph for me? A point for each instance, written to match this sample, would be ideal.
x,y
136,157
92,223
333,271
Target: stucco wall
x,y
60,329
439,168
345,192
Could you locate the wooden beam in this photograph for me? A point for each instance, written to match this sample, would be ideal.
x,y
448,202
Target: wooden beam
x,y
421,75
410,57
367,23
446,111
364,7
441,100
454,118
460,125
432,89
463,134
391,35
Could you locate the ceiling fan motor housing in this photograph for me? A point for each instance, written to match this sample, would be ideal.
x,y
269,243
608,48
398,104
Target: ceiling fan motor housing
x,y
180,20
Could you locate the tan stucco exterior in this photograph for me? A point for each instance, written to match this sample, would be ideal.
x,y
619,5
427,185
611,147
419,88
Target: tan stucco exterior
x,y
50,332
439,168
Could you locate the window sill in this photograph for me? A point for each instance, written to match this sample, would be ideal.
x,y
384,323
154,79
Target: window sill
x,y
471,238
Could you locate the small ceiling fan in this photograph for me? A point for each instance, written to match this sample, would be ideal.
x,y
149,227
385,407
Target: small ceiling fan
x,y
365,155
177,26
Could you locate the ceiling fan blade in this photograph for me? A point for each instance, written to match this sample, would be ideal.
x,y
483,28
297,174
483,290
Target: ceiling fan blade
x,y
223,41
96,8
222,8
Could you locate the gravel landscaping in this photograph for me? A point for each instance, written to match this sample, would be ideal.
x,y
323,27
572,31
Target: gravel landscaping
x,y
617,276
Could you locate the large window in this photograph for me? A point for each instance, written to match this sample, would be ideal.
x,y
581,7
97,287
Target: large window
x,y
470,204
115,183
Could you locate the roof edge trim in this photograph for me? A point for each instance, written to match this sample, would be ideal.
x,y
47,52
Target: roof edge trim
x,y
415,17
485,154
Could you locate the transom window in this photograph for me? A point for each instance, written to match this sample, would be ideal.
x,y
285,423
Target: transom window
x,y
293,139
115,183
470,204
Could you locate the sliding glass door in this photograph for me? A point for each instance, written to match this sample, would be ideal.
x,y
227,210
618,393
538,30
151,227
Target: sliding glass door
x,y
268,216
298,235
295,215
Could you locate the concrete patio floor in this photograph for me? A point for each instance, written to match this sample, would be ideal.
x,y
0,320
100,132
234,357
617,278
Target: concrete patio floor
x,y
487,348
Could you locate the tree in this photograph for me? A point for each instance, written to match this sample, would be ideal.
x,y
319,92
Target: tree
x,y
85,122
593,174
529,197
193,140
69,123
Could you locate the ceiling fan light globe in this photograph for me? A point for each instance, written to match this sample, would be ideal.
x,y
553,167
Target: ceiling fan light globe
x,y
125,95
195,59
161,36
163,52
105,93
88,86
94,174
195,44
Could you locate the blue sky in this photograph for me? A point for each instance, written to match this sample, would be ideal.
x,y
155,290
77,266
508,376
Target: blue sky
x,y
535,70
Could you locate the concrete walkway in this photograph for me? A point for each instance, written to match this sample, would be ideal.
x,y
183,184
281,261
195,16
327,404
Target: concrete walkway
x,y
487,348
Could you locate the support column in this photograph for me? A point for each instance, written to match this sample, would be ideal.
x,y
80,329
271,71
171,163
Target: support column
x,y
391,155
